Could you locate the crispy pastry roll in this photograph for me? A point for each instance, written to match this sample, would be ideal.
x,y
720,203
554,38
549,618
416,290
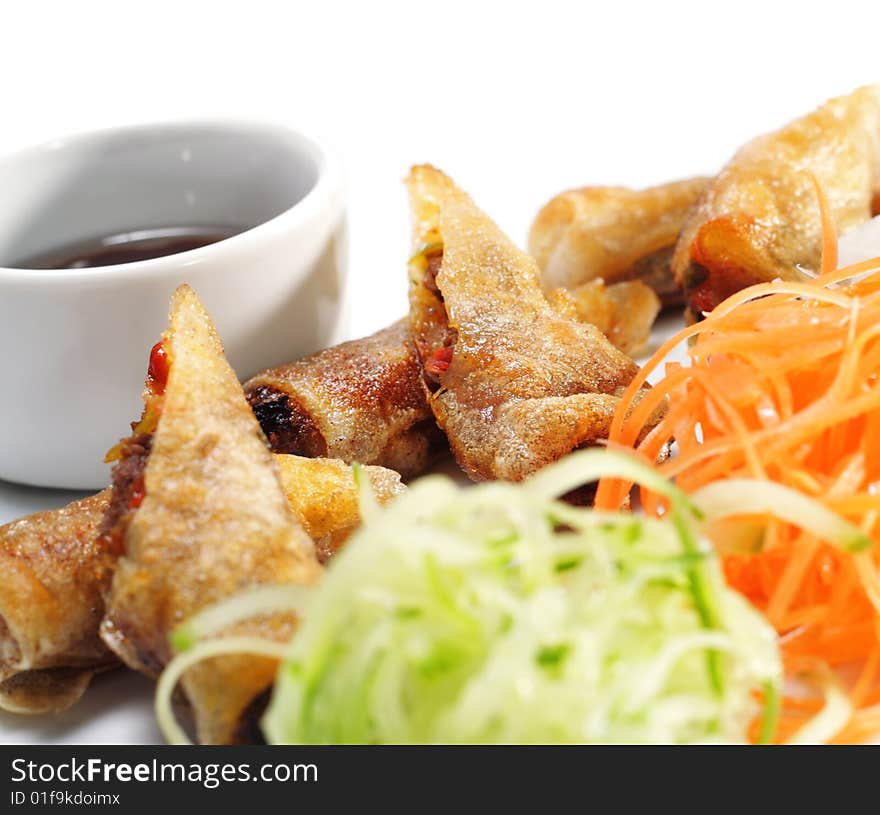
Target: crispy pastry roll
x,y
623,312
759,218
199,514
359,401
322,494
615,234
514,384
52,571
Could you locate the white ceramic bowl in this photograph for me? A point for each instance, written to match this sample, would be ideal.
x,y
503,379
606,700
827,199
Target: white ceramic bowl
x,y
74,343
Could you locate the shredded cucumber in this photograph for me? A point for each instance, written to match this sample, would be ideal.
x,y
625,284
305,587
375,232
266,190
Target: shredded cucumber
x,y
833,716
745,496
497,613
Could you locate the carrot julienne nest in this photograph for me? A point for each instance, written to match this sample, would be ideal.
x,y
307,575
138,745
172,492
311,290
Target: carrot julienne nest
x,y
783,384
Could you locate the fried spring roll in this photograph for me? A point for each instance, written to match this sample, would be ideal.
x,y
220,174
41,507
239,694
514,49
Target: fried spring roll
x,y
52,572
322,494
623,312
759,218
513,384
199,514
359,401
615,234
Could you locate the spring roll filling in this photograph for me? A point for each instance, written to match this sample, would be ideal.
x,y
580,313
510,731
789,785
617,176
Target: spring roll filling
x,y
435,352
288,427
132,454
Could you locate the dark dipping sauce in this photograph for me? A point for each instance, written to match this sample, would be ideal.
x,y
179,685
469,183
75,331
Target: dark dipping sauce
x,y
129,247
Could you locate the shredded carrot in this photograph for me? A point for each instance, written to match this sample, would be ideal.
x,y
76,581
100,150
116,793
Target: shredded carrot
x,y
783,383
829,232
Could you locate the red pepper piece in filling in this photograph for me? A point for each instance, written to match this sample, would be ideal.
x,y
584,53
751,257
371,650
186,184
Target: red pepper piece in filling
x,y
158,370
138,493
439,361
703,299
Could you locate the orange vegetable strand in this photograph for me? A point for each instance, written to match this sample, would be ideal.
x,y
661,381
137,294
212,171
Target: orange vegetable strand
x,y
783,383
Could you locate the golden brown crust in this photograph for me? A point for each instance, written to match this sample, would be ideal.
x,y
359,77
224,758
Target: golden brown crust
x,y
322,494
524,386
758,219
52,573
613,233
50,690
624,312
359,401
214,521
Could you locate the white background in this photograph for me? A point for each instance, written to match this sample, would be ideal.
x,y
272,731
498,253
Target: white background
x,y
517,101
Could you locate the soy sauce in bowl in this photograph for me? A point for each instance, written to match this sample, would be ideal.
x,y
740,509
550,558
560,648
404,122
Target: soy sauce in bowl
x,y
129,247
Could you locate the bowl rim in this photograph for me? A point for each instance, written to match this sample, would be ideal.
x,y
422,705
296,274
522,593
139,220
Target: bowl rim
x,y
325,191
